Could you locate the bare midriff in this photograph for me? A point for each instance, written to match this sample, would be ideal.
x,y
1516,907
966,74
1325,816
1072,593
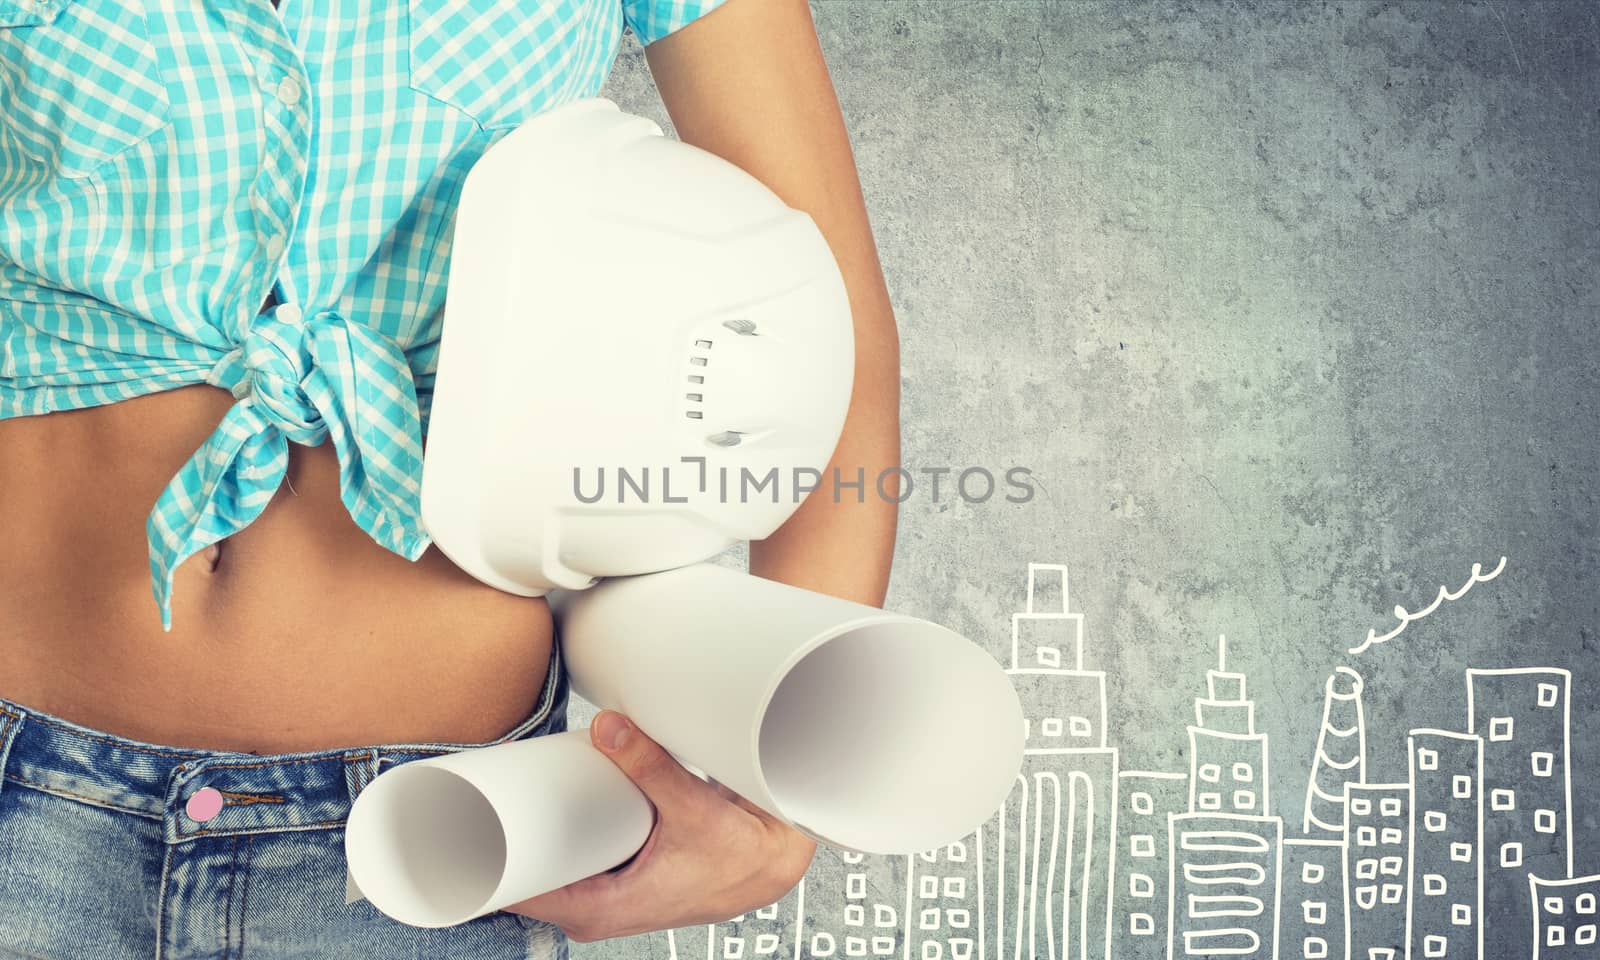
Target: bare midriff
x,y
299,632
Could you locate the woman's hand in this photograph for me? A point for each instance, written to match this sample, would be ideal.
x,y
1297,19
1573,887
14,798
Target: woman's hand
x,y
711,855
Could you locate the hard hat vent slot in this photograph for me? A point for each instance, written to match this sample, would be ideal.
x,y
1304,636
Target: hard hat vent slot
x,y
695,398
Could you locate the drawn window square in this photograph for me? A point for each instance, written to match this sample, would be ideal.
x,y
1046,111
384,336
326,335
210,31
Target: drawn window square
x,y
1461,914
1143,804
1461,786
1390,866
1392,892
1391,835
1544,821
956,852
1390,806
1051,727
1141,924
1141,885
855,914
1079,726
1500,728
1434,945
959,918
1584,903
955,887
1048,656
855,886
1244,799
1311,873
1584,935
1316,911
1314,948
1367,837
929,919
1243,772
1360,807
1142,845
1380,953
1367,868
1366,897
1210,772
1543,763
1548,694
1555,906
1210,800
1503,799
1433,884
1427,759
1461,852
1555,935
882,946
1511,855
1434,820
929,888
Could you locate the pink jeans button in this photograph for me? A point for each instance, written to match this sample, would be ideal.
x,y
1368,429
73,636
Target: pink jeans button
x,y
203,804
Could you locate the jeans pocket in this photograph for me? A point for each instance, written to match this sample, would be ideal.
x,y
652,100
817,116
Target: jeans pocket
x,y
82,81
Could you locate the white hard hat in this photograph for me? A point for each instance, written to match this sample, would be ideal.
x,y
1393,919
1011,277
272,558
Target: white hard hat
x,y
634,316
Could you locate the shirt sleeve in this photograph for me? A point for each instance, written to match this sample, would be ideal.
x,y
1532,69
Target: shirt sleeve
x,y
650,20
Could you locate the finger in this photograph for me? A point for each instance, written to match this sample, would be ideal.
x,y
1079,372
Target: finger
x,y
652,769
595,902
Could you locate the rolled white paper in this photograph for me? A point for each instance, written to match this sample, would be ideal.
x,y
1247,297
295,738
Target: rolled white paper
x,y
866,730
436,842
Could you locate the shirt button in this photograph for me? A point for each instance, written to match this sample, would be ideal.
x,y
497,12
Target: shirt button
x,y
203,804
288,91
289,313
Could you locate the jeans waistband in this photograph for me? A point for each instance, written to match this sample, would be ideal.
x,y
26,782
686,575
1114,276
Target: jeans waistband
x,y
260,792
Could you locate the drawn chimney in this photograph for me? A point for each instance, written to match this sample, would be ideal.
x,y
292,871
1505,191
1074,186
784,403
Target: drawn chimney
x,y
1341,754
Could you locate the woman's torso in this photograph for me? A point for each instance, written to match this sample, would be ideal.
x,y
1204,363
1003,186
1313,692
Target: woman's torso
x,y
188,164
306,634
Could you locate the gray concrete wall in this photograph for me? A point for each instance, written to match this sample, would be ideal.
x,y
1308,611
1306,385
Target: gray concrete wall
x,y
1289,308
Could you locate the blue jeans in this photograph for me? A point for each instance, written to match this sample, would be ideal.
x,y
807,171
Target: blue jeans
x,y
100,859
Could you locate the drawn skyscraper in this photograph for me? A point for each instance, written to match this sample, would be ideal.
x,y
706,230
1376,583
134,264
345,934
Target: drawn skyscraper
x,y
1377,828
1565,922
1523,717
1050,849
1446,886
1225,855
942,901
1226,874
1341,755
1227,757
850,905
1139,891
1311,912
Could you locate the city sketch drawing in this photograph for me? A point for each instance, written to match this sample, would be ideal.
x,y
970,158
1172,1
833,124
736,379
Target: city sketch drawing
x,y
1088,861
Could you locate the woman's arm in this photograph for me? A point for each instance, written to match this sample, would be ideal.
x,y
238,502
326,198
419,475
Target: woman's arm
x,y
747,82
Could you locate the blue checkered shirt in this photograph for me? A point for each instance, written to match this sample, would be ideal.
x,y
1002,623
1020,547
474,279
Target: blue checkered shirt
x,y
165,165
